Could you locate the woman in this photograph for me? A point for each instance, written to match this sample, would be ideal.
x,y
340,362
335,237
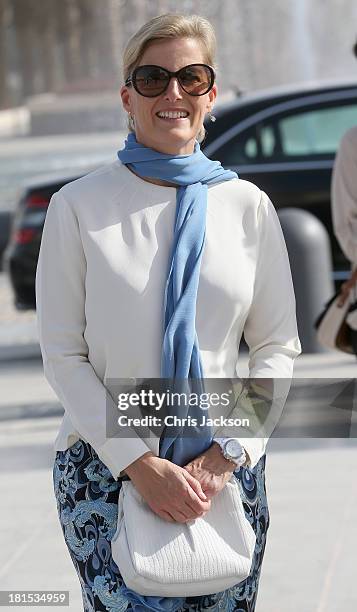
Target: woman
x,y
104,293
344,202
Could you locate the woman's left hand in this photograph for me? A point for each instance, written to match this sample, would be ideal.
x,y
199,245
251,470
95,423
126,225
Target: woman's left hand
x,y
211,469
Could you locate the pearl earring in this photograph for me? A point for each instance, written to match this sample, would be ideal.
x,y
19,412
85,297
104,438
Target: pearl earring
x,y
212,117
131,120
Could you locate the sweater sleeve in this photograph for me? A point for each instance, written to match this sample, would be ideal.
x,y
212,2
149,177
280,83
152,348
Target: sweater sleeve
x,y
270,328
60,304
344,196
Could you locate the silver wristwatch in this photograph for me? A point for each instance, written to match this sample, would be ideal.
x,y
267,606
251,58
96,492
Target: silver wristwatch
x,y
232,450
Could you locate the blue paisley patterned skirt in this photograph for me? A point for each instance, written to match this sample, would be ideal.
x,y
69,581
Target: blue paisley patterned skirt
x,y
87,503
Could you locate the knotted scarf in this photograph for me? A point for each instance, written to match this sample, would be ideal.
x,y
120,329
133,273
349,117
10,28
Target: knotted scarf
x,y
180,358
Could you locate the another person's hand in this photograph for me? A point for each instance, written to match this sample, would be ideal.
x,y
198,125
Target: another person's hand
x,y
211,469
346,288
169,490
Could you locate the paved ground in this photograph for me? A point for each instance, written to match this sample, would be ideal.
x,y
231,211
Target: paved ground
x,y
18,329
9,316
311,552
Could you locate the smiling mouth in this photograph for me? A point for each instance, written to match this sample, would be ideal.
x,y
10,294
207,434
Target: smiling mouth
x,y
172,115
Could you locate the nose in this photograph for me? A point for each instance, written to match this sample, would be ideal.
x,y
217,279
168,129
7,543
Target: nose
x,y
173,91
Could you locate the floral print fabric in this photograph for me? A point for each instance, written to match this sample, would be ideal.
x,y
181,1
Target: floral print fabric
x,y
87,503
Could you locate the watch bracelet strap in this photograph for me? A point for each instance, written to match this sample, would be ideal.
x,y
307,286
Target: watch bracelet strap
x,y
241,460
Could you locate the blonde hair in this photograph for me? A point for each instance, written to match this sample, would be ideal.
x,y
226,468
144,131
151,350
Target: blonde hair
x,y
169,26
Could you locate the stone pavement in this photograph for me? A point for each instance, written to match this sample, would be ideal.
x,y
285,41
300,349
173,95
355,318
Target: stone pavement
x,y
312,543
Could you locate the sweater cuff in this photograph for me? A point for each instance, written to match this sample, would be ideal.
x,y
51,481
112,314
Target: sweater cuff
x,y
254,448
118,453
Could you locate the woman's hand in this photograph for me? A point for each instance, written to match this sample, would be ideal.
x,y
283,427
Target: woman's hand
x,y
346,288
169,490
211,469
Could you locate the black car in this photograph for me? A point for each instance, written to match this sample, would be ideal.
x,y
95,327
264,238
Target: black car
x,y
283,140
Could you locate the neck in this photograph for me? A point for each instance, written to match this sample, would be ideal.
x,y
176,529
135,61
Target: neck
x,y
153,180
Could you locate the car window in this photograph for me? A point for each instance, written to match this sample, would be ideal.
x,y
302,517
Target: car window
x,y
317,131
242,150
309,134
269,140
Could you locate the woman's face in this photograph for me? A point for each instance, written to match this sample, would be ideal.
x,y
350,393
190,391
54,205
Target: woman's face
x,y
173,136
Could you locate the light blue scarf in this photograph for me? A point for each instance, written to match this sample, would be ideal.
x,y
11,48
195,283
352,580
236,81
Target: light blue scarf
x,y
180,360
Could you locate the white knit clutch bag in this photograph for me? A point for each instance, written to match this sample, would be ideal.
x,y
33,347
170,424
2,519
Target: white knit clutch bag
x,y
206,555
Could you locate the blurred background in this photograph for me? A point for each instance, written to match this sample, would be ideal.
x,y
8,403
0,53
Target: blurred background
x,y
70,48
65,47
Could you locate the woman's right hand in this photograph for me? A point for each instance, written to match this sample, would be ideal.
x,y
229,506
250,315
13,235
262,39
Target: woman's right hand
x,y
168,489
346,288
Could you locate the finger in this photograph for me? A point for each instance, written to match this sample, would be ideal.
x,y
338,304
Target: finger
x,y
196,504
190,515
196,486
342,297
166,516
179,516
346,288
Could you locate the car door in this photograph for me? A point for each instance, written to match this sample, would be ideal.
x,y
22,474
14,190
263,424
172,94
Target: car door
x,y
288,150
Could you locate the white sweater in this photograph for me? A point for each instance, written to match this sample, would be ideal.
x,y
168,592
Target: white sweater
x,y
100,283
344,195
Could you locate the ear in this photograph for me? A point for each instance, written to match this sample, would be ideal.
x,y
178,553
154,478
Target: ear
x,y
125,98
212,95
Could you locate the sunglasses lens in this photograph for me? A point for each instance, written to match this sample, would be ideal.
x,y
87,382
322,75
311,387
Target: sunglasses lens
x,y
150,80
196,79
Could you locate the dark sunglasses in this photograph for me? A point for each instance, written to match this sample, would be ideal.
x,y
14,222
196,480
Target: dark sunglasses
x,y
151,81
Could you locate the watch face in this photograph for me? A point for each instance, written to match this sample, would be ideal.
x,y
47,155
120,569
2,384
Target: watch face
x,y
233,448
